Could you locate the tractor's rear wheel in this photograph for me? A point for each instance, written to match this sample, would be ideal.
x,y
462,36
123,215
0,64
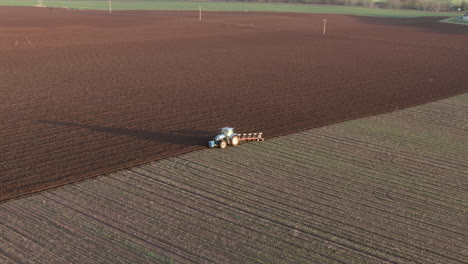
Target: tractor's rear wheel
x,y
223,144
235,140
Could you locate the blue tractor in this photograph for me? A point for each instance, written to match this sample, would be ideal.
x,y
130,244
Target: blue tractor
x,y
227,137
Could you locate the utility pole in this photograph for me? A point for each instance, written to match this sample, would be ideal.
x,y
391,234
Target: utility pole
x,y
324,26
110,7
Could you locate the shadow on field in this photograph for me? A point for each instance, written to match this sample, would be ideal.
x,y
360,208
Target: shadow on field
x,y
430,24
177,137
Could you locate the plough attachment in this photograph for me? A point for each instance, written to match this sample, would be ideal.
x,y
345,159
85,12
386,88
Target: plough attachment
x,y
251,137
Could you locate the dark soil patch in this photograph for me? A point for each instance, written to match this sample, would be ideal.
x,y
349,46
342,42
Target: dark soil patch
x,y
85,92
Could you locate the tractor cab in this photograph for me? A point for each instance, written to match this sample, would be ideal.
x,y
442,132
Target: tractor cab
x,y
227,131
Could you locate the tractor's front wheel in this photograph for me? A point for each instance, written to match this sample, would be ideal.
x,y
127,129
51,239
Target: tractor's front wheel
x,y
223,144
235,140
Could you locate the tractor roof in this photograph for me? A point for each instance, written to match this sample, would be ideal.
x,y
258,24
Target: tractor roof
x,y
228,131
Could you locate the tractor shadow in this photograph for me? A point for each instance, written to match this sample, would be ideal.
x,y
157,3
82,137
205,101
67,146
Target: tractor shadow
x,y
184,137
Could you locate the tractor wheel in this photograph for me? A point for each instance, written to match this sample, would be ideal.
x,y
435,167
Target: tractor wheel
x,y
235,140
223,144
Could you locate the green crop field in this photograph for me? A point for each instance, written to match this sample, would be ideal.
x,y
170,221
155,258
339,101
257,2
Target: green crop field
x,y
221,6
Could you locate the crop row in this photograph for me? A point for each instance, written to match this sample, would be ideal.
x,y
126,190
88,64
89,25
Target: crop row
x,y
338,194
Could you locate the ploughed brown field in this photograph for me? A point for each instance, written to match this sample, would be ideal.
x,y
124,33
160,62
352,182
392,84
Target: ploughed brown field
x,y
85,92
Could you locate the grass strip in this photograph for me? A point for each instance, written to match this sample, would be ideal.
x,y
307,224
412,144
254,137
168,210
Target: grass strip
x,y
225,6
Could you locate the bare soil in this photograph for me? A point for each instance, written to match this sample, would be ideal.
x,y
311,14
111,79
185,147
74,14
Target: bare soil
x,y
389,188
85,93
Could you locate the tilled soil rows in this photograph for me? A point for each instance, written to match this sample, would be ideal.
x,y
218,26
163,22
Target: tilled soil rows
x,y
87,92
384,189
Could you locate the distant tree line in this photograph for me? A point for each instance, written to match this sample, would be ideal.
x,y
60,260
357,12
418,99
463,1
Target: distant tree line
x,y
426,5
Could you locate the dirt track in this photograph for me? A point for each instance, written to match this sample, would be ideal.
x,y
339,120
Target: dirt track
x,y
84,92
